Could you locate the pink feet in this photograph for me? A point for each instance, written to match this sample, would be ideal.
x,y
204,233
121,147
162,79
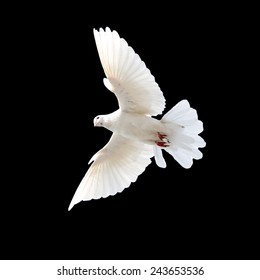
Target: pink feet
x,y
164,140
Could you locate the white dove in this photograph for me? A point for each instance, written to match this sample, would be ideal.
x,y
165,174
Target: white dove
x,y
137,137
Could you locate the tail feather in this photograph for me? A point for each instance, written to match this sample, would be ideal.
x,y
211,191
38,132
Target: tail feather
x,y
184,126
159,159
181,156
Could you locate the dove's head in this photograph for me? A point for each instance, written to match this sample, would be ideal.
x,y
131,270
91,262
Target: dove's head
x,y
99,120
107,121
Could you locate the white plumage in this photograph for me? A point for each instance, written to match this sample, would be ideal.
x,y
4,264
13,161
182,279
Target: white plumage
x,y
137,137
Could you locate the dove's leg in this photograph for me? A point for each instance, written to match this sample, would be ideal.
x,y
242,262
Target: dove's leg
x,y
161,144
161,136
164,141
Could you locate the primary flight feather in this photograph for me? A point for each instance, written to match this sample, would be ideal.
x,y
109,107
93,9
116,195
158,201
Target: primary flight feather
x,y
137,137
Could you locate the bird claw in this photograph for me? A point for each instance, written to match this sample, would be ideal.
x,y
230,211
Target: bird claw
x,y
162,144
164,141
161,136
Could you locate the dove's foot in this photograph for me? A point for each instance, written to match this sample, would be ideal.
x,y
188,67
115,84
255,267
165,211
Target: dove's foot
x,y
162,144
164,140
161,136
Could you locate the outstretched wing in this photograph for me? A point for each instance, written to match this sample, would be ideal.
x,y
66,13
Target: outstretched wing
x,y
127,75
115,166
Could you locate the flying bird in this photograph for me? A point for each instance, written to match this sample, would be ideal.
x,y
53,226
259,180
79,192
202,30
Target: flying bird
x,y
137,136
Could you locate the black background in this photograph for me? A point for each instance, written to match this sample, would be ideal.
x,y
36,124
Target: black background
x,y
54,92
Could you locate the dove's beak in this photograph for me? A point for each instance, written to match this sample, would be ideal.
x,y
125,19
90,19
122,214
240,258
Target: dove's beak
x,y
95,122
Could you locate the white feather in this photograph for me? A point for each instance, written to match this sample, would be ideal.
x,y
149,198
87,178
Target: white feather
x,y
159,159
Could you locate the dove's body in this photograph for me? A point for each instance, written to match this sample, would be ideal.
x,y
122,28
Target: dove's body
x,y
135,126
137,136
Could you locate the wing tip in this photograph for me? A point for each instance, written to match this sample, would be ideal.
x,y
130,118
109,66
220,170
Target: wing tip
x,y
75,200
71,205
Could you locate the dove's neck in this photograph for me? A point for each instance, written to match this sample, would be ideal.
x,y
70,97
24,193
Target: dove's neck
x,y
110,120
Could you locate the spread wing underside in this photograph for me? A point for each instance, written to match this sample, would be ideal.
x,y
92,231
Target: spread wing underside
x,y
127,75
115,166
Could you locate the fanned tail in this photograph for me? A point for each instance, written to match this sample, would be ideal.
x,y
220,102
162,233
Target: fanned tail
x,y
183,126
